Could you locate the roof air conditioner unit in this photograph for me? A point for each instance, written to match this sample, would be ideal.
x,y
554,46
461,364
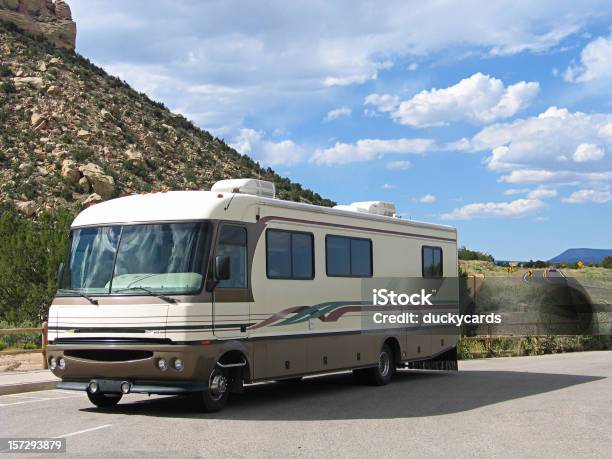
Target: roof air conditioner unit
x,y
371,207
246,186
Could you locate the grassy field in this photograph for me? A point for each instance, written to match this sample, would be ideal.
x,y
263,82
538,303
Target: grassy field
x,y
589,274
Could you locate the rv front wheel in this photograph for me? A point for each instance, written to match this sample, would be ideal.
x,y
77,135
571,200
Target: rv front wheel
x,y
215,398
104,400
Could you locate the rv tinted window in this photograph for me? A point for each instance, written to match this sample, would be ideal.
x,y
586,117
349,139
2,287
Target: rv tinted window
x,y
361,261
432,261
290,255
348,257
233,243
302,260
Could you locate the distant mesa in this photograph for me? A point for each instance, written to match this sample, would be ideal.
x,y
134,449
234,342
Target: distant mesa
x,y
584,255
51,19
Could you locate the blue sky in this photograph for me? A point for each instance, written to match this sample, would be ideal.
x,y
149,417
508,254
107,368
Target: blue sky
x,y
494,117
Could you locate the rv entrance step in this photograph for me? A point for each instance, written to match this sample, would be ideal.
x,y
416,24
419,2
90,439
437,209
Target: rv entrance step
x,y
447,361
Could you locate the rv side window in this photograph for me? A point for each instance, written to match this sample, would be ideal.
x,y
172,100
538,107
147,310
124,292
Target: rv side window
x,y
233,243
348,256
289,254
432,261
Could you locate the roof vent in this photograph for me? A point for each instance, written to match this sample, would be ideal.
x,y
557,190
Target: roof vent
x,y
371,207
246,186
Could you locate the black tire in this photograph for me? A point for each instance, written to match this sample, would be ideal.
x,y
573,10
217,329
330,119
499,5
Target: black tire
x,y
104,400
215,398
381,374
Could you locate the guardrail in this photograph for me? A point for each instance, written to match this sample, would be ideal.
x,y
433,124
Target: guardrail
x,y
17,331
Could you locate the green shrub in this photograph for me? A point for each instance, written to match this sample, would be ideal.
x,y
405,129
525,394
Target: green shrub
x,y
8,87
81,154
5,71
465,254
2,345
28,283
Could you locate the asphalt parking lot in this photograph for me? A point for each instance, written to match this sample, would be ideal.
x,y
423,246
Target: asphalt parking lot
x,y
555,405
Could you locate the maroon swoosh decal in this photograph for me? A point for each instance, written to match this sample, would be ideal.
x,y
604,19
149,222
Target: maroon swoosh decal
x,y
278,316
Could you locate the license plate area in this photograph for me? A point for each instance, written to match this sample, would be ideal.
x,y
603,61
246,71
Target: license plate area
x,y
109,385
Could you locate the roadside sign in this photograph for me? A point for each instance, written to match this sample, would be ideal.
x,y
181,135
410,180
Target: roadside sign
x,y
580,265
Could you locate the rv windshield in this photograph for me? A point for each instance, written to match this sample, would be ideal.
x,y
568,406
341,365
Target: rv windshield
x,y
134,259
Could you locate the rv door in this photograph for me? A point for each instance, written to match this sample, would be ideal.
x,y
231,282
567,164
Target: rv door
x,y
231,298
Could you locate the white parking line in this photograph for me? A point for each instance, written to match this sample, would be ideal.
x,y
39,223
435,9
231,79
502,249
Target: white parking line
x,y
79,432
23,396
40,400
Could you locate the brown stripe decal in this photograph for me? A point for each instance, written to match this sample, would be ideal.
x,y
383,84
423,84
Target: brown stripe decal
x,y
264,220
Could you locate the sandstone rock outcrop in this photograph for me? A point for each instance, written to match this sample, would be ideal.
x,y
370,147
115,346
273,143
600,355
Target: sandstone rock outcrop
x,y
27,208
135,158
92,199
70,171
51,19
101,183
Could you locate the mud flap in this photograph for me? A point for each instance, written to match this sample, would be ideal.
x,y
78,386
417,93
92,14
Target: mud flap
x,y
447,361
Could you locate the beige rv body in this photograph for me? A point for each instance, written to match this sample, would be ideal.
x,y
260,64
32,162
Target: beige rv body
x,y
249,325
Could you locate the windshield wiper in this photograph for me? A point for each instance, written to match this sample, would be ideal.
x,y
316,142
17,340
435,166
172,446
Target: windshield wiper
x,y
150,292
82,295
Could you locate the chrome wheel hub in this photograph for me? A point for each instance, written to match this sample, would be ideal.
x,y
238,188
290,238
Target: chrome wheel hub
x,y
217,385
384,364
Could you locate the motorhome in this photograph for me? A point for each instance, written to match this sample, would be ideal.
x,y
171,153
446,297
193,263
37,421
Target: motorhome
x,y
200,292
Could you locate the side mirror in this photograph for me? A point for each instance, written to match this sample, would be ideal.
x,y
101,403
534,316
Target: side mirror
x,y
222,267
60,273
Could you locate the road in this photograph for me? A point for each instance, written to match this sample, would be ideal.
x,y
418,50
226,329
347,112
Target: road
x,y
555,276
555,405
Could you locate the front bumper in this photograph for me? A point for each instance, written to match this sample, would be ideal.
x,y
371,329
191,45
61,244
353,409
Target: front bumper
x,y
139,387
143,371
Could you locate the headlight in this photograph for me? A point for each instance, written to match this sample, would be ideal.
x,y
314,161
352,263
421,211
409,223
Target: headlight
x,y
161,364
52,363
61,363
92,387
125,387
178,364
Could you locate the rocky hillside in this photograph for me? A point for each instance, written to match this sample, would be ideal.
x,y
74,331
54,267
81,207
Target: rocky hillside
x,y
71,135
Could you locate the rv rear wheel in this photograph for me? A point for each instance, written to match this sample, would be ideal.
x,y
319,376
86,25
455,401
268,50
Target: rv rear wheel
x,y
215,398
104,400
381,374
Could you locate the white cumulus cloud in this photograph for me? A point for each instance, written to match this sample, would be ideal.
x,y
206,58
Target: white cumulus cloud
x,y
542,193
367,149
398,165
517,208
556,145
337,113
427,199
513,191
595,62
584,196
382,102
478,99
250,142
588,152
